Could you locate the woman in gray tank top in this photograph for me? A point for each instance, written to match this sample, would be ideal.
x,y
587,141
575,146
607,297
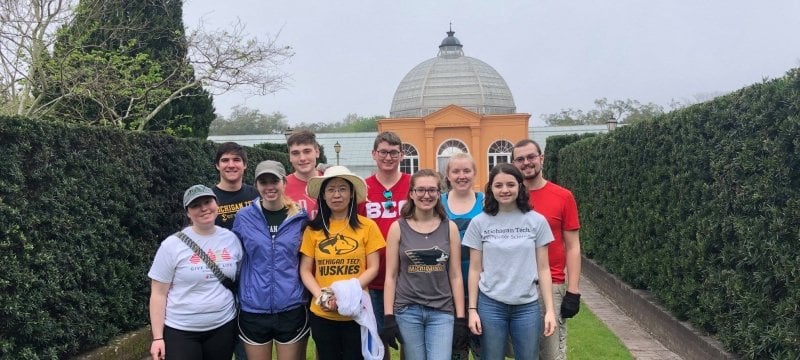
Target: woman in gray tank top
x,y
424,290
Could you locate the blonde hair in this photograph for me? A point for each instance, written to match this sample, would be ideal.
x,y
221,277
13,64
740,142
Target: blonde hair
x,y
457,156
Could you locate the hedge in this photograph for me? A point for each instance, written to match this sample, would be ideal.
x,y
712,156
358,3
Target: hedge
x,y
702,207
82,211
554,145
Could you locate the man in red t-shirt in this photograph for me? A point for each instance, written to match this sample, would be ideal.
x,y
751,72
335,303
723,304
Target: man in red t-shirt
x,y
303,154
557,205
387,191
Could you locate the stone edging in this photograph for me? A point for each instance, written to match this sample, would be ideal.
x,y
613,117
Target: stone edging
x,y
642,307
131,346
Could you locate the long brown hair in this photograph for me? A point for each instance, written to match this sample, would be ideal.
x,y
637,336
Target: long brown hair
x,y
408,209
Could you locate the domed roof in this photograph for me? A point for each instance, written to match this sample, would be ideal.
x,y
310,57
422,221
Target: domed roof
x,y
452,78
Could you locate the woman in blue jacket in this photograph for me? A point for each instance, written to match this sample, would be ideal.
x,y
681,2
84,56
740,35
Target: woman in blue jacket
x,y
271,295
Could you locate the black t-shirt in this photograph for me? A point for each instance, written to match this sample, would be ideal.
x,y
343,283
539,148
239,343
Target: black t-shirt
x,y
230,202
275,219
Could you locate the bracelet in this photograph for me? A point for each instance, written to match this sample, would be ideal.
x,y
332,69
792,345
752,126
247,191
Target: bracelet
x,y
472,308
161,338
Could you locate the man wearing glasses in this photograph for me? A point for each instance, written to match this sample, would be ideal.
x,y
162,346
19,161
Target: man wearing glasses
x,y
557,205
387,191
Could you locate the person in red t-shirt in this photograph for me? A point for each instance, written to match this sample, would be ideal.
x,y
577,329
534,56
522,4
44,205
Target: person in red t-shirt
x,y
387,191
557,205
303,154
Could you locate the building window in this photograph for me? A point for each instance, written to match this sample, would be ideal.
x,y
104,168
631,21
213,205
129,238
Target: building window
x,y
410,163
446,150
499,152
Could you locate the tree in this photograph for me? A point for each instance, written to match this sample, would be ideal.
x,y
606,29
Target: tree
x,y
247,121
351,123
130,64
625,111
27,31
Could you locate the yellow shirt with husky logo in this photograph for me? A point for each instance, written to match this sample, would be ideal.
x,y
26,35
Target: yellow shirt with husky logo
x,y
341,255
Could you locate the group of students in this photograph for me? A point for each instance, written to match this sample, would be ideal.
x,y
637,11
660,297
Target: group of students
x,y
446,273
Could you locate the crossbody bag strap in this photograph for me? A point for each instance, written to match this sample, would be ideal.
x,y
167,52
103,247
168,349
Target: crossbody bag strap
x,y
211,264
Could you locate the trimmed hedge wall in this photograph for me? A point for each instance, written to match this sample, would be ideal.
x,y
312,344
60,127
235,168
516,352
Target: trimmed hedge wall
x,y
554,145
702,208
82,211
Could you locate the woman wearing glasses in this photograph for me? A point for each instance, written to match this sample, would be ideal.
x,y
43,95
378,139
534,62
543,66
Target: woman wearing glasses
x,y
423,289
509,235
338,246
462,203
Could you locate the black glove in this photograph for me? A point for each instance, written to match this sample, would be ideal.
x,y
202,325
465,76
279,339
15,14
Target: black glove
x,y
570,305
460,334
390,334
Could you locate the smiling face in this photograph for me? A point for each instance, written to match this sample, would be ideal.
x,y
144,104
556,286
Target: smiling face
x,y
304,159
529,160
425,192
338,194
231,167
387,157
270,188
461,173
202,211
505,189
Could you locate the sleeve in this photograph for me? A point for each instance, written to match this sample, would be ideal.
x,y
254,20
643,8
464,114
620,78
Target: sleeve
x,y
164,263
570,221
309,242
374,238
472,237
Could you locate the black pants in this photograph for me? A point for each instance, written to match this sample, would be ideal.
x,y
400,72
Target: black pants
x,y
216,344
336,340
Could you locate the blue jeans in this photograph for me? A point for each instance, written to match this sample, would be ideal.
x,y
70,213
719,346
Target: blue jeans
x,y
376,296
498,320
427,332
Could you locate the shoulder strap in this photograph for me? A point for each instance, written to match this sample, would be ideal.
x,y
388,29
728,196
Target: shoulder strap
x,y
227,282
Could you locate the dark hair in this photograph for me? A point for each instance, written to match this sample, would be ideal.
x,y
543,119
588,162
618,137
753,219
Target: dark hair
x,y
407,212
525,142
389,137
490,205
230,147
302,137
323,217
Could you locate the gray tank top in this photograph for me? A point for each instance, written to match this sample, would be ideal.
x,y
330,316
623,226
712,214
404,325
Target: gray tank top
x,y
423,273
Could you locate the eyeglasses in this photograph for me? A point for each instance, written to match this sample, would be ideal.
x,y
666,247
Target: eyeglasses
x,y
388,204
341,190
394,153
530,157
422,191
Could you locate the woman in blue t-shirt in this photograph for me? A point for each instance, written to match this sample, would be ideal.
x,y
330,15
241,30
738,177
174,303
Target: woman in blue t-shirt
x,y
462,203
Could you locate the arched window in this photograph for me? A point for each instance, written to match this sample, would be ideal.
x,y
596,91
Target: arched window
x,y
410,163
499,152
446,150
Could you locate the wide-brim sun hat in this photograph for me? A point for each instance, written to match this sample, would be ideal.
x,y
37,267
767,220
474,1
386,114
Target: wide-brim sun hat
x,y
315,183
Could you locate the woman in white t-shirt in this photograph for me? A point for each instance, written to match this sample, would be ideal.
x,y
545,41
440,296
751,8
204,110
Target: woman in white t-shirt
x,y
508,259
191,313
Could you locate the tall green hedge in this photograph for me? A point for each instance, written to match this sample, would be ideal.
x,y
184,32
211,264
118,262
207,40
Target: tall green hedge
x,y
702,207
82,211
554,145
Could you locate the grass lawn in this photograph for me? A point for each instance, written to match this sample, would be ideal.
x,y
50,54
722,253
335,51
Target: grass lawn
x,y
588,339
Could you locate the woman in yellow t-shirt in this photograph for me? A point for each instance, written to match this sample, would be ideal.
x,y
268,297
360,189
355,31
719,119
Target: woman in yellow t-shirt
x,y
338,244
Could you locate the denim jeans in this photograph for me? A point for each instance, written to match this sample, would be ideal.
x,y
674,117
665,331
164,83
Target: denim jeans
x,y
498,320
427,332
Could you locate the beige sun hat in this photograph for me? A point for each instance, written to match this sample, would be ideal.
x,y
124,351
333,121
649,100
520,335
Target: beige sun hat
x,y
314,183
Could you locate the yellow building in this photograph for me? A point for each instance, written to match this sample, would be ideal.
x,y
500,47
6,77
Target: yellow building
x,y
455,103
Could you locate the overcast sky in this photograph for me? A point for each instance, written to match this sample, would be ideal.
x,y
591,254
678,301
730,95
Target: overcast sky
x,y
352,54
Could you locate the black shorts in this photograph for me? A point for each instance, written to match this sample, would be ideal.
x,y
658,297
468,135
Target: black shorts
x,y
286,327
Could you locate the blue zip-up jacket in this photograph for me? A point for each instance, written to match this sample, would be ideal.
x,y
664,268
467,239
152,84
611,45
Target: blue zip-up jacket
x,y
269,281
